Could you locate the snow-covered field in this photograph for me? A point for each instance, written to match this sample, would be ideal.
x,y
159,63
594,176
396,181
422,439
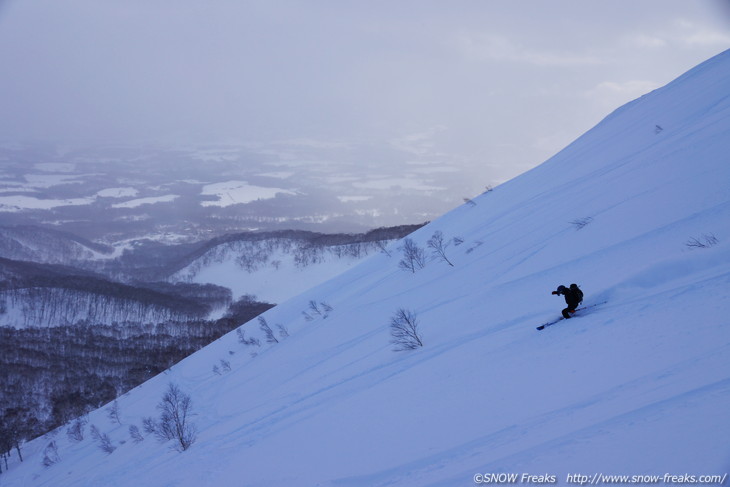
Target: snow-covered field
x,y
21,202
640,385
117,193
146,201
236,192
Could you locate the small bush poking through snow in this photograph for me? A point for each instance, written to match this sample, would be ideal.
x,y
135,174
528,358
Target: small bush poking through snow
x,y
135,434
579,223
50,454
704,242
105,443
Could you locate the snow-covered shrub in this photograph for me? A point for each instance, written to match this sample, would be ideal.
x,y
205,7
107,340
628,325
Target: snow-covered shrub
x,y
105,443
314,308
75,432
270,338
579,223
321,309
705,241
150,426
135,434
283,331
50,454
247,341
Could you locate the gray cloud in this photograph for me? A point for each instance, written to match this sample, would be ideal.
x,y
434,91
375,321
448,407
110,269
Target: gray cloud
x,y
498,83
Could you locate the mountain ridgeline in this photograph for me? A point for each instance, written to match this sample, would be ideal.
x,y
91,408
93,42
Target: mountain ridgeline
x,y
52,278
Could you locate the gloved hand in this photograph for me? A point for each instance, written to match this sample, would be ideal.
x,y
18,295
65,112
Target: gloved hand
x,y
555,292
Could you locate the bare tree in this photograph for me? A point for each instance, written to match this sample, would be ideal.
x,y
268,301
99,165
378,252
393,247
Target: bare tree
x,y
283,331
314,308
270,338
135,434
247,341
404,331
382,246
414,257
113,413
175,410
149,425
105,443
95,433
438,246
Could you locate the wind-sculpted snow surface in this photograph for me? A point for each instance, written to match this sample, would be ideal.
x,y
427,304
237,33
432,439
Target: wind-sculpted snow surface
x,y
639,386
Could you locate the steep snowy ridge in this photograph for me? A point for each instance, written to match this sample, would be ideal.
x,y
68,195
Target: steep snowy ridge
x,y
638,385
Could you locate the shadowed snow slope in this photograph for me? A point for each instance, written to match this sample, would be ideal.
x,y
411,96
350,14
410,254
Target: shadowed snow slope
x,y
637,385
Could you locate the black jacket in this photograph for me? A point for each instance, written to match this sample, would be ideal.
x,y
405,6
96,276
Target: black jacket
x,y
573,297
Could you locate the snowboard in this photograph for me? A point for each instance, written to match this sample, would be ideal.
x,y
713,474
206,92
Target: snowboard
x,y
583,308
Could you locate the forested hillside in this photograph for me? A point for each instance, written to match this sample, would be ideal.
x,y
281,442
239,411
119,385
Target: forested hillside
x,y
49,375
43,295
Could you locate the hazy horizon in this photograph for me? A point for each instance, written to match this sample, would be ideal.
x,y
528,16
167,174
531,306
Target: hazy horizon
x,y
485,90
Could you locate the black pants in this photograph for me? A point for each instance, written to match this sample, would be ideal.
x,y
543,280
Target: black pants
x,y
567,311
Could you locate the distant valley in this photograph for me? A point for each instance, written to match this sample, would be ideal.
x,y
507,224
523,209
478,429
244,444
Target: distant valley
x,y
112,194
82,322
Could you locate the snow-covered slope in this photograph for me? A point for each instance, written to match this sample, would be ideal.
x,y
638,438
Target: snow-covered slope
x,y
37,244
273,269
639,385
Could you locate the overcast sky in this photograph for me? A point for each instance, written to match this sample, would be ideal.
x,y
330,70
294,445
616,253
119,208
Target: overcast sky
x,y
495,82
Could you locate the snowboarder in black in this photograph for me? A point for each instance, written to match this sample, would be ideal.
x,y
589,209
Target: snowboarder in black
x,y
573,297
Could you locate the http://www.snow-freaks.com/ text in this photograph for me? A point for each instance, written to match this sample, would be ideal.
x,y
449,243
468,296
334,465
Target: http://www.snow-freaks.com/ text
x,y
600,479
